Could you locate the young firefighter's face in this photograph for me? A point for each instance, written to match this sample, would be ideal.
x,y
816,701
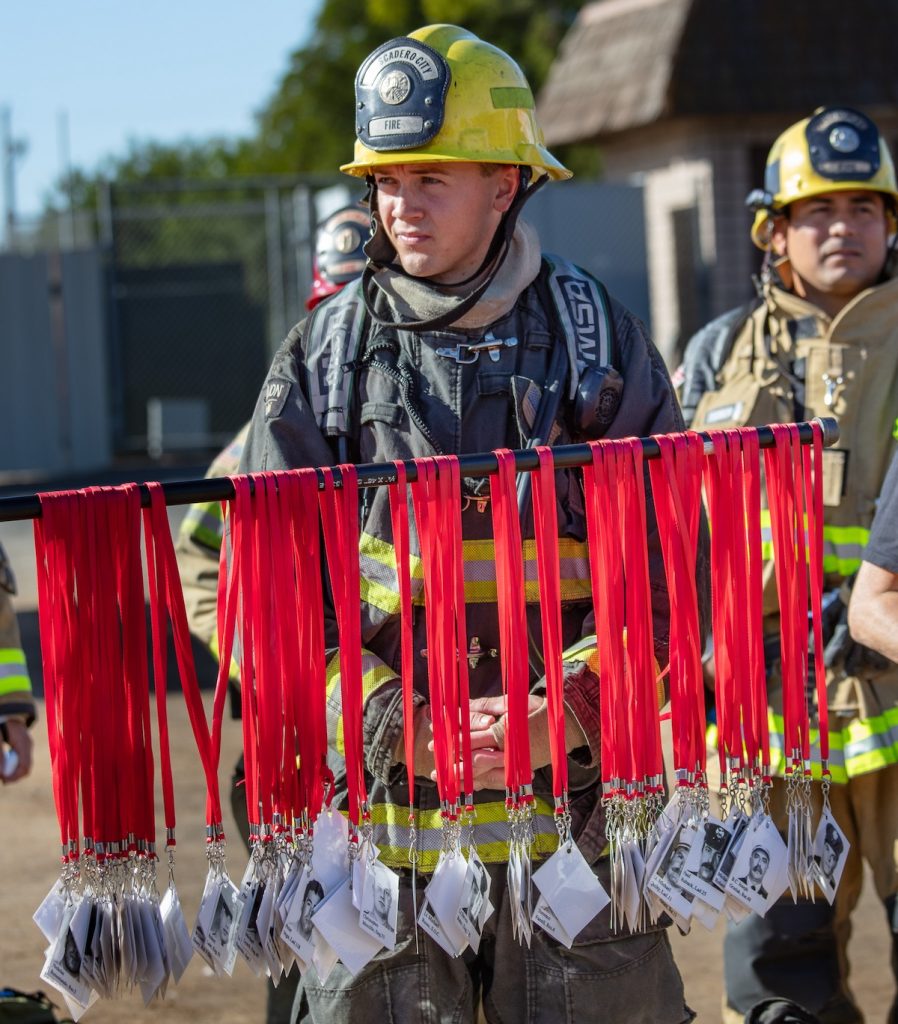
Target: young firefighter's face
x,y
441,217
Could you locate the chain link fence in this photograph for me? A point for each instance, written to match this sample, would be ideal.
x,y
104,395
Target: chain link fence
x,y
205,282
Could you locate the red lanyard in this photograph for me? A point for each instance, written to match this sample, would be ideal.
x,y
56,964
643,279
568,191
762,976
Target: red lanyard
x,y
756,671
61,661
309,701
399,520
167,570
813,483
787,528
435,541
676,487
606,575
512,612
340,519
640,640
545,524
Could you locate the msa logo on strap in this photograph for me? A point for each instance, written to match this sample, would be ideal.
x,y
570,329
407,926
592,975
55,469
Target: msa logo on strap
x,y
584,316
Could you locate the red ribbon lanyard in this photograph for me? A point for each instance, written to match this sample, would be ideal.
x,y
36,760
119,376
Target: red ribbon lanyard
x,y
718,488
399,520
606,575
787,528
429,500
676,488
309,700
167,569
512,612
340,519
813,483
60,659
756,671
545,525
640,638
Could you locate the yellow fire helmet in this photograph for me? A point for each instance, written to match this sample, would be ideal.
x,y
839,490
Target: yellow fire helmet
x,y
837,149
442,94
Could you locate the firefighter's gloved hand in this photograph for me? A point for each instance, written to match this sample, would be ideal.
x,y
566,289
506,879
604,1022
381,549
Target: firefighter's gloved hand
x,y
15,733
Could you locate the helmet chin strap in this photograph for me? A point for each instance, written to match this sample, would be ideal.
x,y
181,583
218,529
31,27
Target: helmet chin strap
x,y
381,255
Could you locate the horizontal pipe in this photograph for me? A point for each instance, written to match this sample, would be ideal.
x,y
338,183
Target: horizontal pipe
x,y
375,474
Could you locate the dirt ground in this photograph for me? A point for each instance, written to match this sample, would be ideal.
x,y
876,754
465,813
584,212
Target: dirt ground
x,y
29,844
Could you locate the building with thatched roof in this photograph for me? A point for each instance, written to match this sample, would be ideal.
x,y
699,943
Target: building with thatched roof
x,y
686,97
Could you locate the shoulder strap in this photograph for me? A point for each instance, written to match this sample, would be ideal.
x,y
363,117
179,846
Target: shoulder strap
x,y
584,311
331,345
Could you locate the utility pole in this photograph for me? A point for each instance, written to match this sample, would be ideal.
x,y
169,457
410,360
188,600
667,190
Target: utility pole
x,y
10,150
67,215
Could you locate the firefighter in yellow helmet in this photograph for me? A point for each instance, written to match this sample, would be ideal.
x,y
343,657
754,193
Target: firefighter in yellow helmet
x,y
463,336
821,340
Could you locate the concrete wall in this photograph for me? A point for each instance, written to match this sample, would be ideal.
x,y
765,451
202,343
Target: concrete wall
x,y
54,408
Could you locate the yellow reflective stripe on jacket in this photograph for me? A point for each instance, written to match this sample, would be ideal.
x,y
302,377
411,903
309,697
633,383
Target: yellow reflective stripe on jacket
x,y
863,745
843,546
204,523
392,834
14,676
377,563
374,674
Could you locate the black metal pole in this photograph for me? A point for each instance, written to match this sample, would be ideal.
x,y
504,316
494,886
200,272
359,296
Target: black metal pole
x,y
376,474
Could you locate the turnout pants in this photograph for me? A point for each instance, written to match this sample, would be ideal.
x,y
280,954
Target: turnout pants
x,y
615,979
799,951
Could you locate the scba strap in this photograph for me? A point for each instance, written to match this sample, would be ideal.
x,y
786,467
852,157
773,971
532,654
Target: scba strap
x,y
333,341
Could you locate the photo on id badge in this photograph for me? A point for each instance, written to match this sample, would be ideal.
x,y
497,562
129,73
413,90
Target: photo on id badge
x,y
756,871
221,924
380,903
472,909
830,854
666,881
312,894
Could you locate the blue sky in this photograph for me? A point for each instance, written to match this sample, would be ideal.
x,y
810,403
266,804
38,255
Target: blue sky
x,y
126,70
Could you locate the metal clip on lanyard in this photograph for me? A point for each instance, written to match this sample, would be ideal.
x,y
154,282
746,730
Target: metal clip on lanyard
x,y
464,352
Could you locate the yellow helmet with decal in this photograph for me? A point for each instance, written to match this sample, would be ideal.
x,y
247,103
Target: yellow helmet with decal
x,y
442,94
837,149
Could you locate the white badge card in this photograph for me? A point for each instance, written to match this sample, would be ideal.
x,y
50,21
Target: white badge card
x,y
203,916
177,937
543,916
155,971
708,846
475,901
830,854
330,849
570,888
665,881
380,903
249,944
338,921
324,957
265,925
632,888
705,915
738,824
735,910
109,946
288,890
88,939
221,927
48,916
298,930
62,969
368,853
760,874
444,893
430,923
